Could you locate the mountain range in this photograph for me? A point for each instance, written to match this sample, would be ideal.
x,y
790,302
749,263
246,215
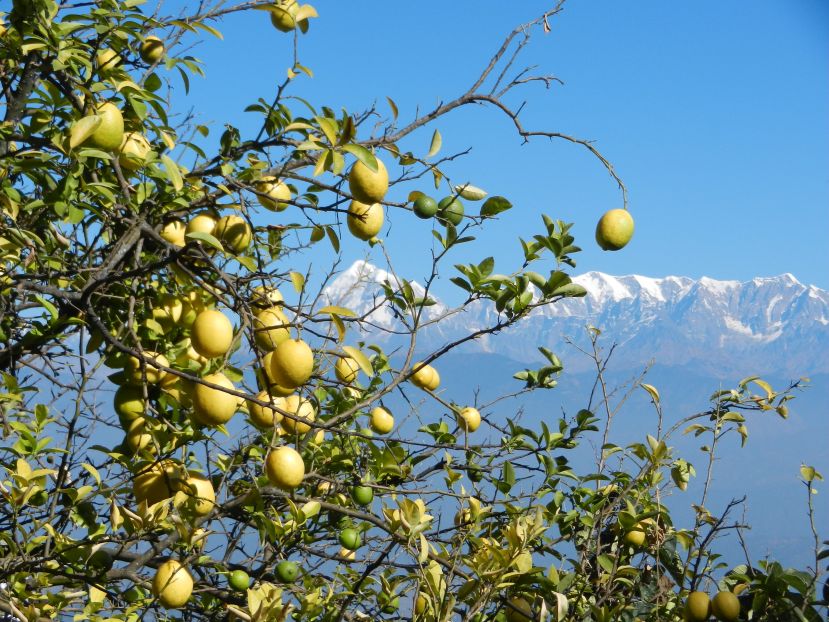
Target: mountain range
x,y
723,328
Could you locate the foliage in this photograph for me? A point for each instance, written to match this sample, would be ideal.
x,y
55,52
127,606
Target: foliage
x,y
100,271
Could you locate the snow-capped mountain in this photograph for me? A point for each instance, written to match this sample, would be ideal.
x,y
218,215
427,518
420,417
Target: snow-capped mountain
x,y
764,325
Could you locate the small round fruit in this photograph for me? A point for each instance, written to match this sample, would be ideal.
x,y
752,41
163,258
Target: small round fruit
x,y
450,209
234,233
518,609
201,223
347,554
270,328
287,571
469,419
726,606
107,60
152,49
265,296
382,420
211,334
282,15
368,186
173,232
296,405
423,376
346,369
420,604
138,437
262,417
697,607
273,194
284,467
292,363
153,374
157,482
350,539
239,580
635,537
425,207
196,494
211,406
362,495
172,584
365,220
110,133
129,403
134,151
614,229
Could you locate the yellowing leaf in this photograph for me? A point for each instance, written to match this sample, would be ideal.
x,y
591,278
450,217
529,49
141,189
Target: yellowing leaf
x,y
437,141
361,359
652,392
298,281
173,172
342,311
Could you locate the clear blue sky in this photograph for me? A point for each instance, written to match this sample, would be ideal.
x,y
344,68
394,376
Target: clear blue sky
x,y
715,114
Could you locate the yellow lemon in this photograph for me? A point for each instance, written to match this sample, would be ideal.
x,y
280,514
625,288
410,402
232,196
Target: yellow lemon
x,y
382,420
233,232
173,231
726,606
214,406
300,407
292,363
172,584
614,229
368,186
469,419
154,375
270,328
273,194
204,222
697,607
196,494
284,467
212,333
151,50
263,417
365,220
346,369
157,482
134,151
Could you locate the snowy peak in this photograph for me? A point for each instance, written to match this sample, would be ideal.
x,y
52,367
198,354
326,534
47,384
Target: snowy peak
x,y
765,324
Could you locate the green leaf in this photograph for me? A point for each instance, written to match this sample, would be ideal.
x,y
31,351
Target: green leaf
x,y
208,239
329,128
83,129
437,141
494,205
363,155
173,172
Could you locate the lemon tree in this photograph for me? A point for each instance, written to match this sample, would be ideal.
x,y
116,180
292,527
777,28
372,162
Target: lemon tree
x,y
191,430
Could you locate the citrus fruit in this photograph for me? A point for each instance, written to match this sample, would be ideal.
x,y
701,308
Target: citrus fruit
x,y
233,232
425,376
107,60
697,607
469,419
196,494
450,209
300,407
350,539
425,207
151,50
287,571
284,467
213,406
292,363
138,436
204,222
261,417
137,370
282,15
109,134
173,232
157,482
382,420
726,606
365,220
265,296
368,186
346,369
172,584
211,334
635,537
270,328
614,229
239,580
134,151
129,403
273,194
362,495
